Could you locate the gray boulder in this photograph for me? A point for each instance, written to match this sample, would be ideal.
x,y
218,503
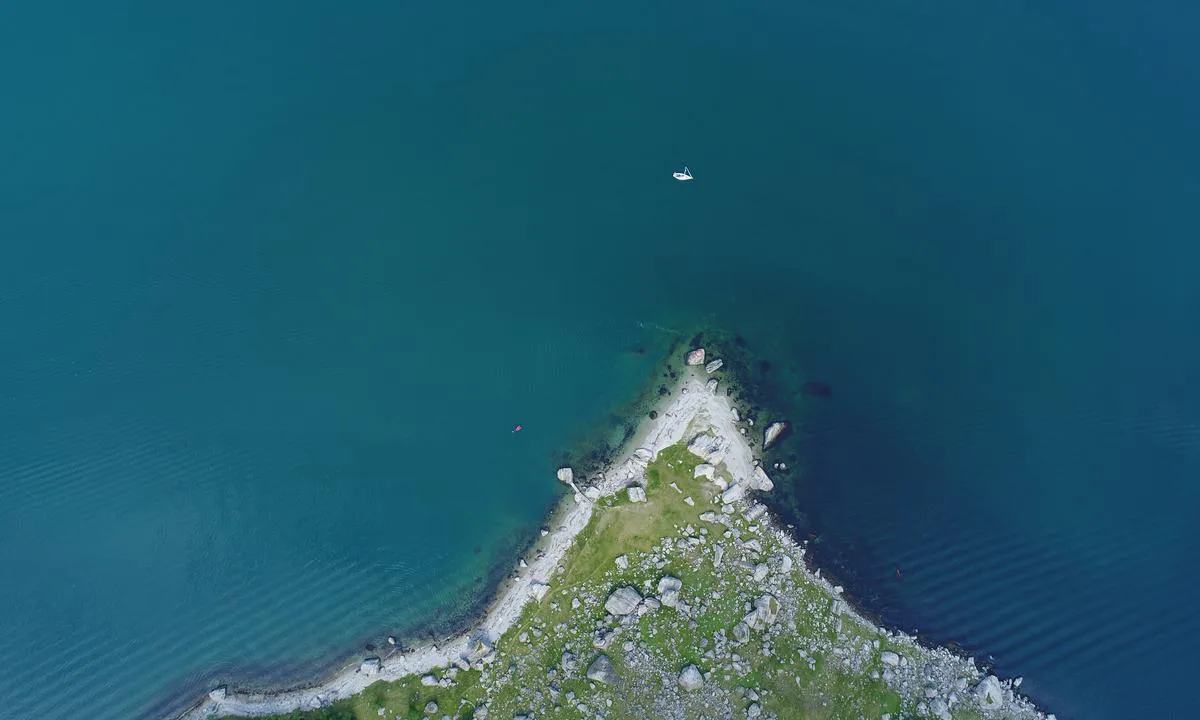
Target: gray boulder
x,y
370,666
668,590
940,710
601,670
690,678
741,632
623,601
760,572
767,607
567,663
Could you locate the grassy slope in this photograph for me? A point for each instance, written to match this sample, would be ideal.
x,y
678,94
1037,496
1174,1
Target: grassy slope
x,y
520,677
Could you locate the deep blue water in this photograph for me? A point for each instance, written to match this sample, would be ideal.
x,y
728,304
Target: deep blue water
x,y
276,285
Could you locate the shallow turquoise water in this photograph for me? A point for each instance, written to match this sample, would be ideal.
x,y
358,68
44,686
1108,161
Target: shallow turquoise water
x,y
277,286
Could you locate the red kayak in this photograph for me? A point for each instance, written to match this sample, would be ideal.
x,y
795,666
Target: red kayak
x,y
519,428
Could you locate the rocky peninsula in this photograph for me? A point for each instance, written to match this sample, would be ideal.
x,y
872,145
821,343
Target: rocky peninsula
x,y
662,588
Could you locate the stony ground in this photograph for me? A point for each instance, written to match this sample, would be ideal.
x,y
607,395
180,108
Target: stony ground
x,y
680,606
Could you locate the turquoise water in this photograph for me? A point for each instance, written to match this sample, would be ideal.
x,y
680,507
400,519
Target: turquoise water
x,y
277,285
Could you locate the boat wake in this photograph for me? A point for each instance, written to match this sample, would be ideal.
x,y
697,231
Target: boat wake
x,y
659,328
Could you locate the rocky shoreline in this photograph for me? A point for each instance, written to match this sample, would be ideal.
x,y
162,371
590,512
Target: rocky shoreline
x,y
530,582
707,421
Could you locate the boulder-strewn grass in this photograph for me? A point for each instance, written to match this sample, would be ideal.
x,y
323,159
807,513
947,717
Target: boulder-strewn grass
x,y
769,641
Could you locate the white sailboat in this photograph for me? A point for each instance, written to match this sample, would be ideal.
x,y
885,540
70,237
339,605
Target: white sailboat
x,y
683,175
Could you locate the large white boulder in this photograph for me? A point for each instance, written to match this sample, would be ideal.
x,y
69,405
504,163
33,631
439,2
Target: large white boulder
x,y
733,494
696,357
989,693
759,480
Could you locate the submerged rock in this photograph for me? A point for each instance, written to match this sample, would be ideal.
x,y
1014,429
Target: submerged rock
x,y
772,433
696,357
